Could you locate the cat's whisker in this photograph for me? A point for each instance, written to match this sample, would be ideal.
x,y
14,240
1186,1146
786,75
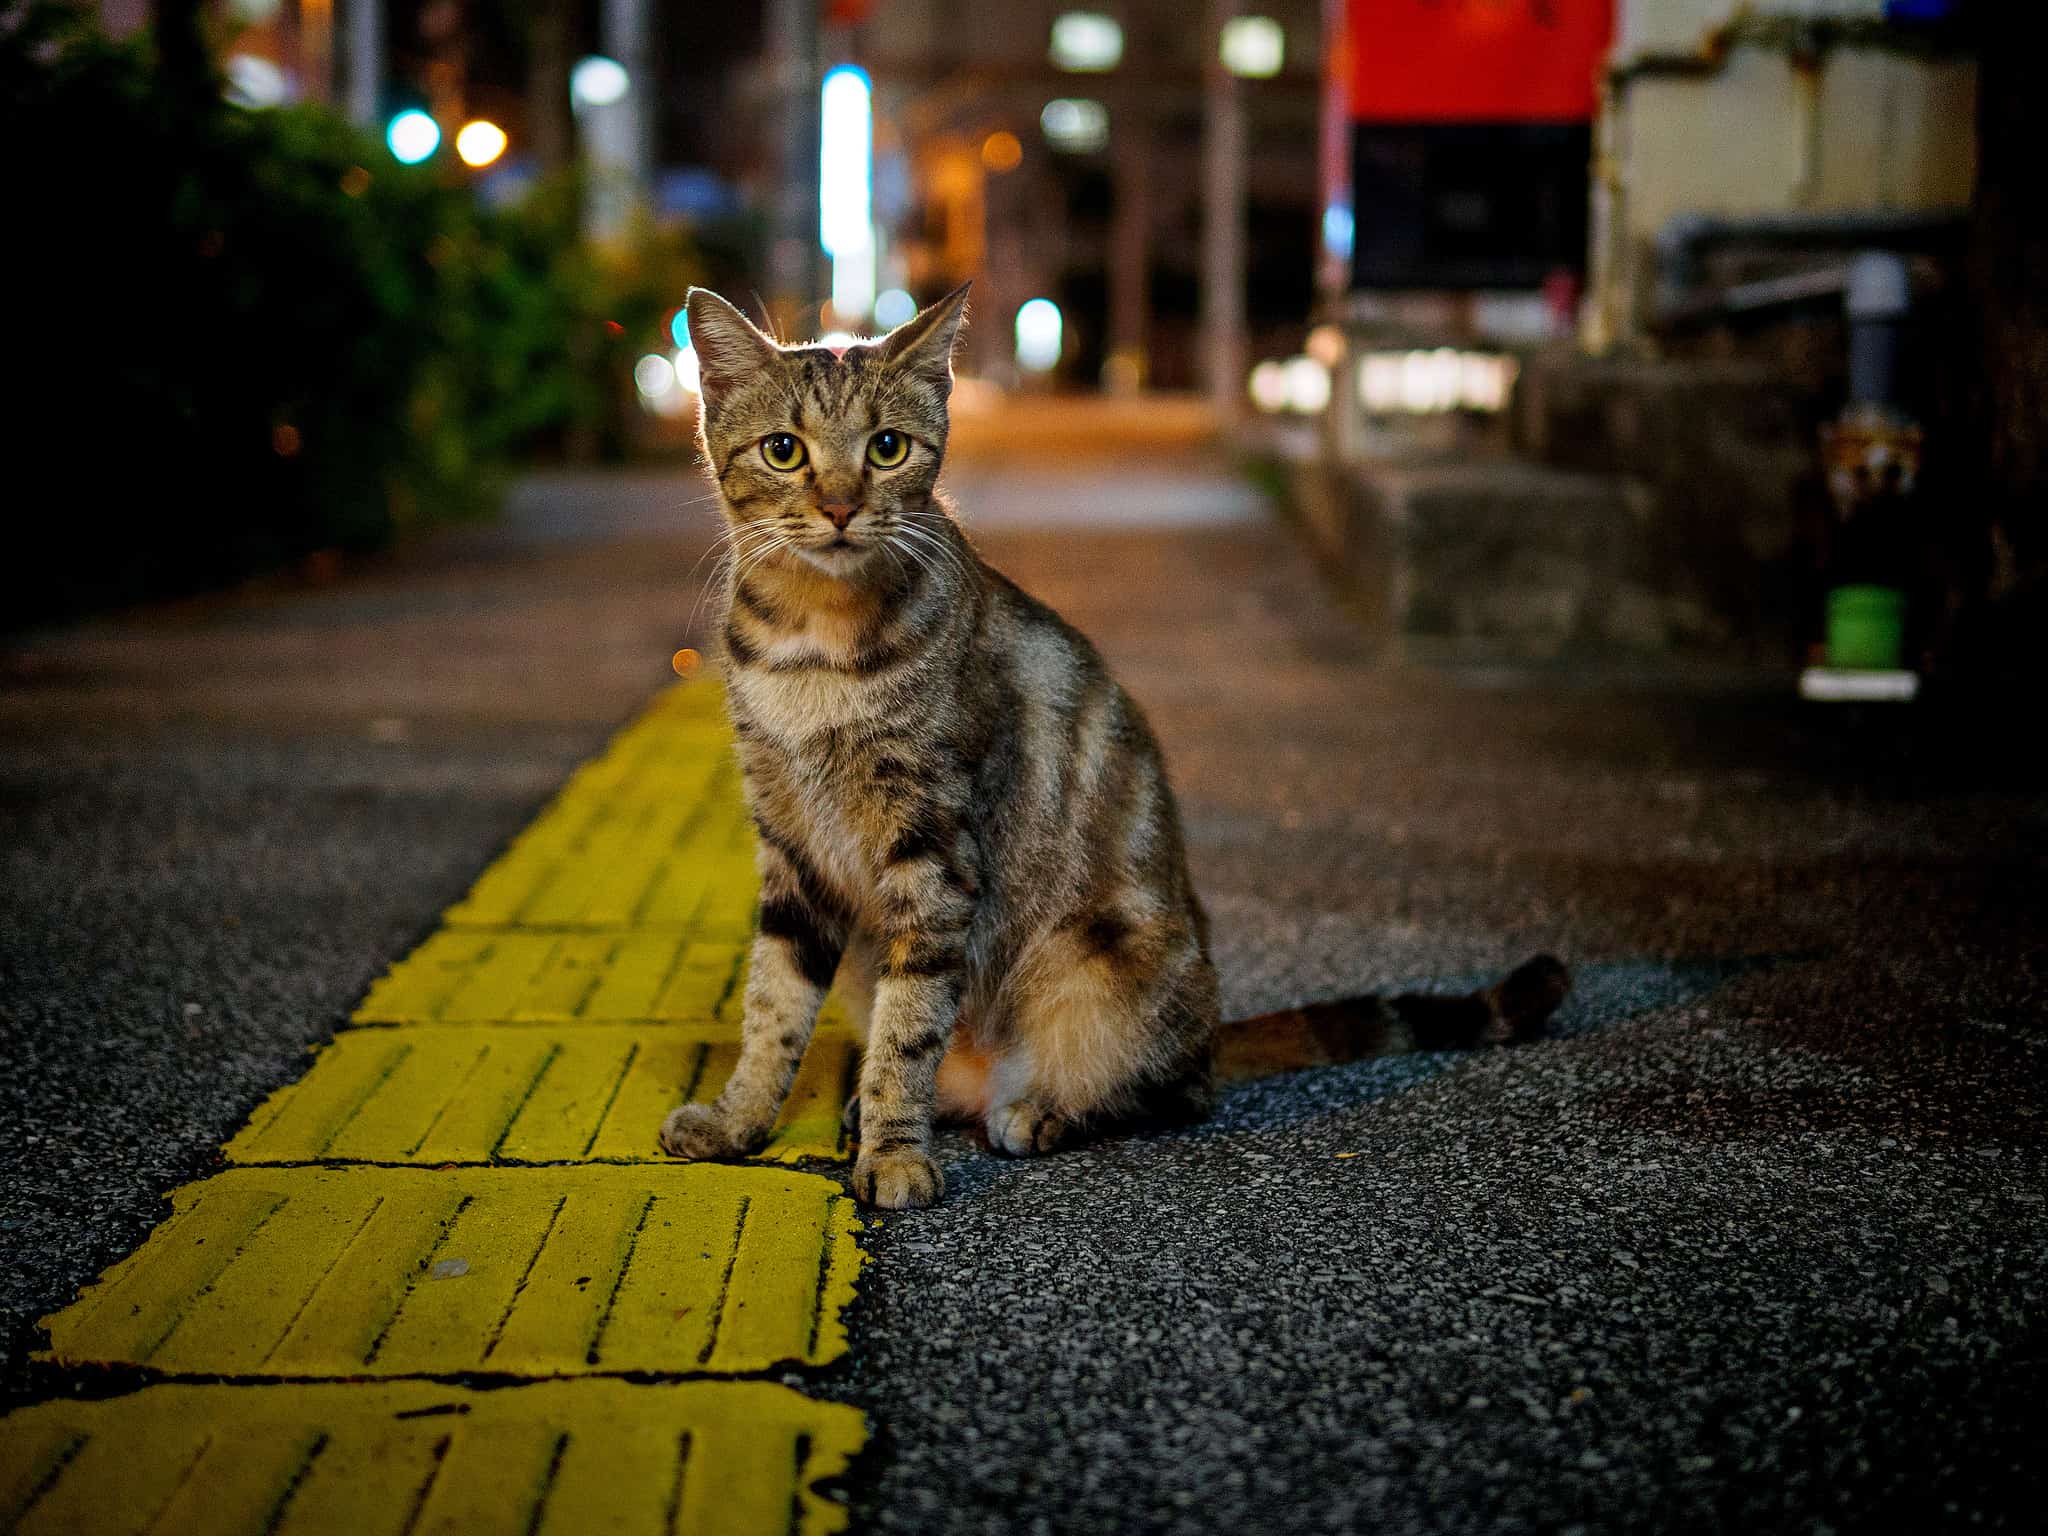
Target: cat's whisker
x,y
941,549
739,543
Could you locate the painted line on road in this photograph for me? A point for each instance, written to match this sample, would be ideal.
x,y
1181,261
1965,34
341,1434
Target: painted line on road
x,y
466,1185
381,1459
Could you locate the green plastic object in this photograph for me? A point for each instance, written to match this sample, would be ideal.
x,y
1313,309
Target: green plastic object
x,y
1866,628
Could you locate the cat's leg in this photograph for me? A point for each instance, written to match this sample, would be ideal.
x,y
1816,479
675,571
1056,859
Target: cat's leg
x,y
916,1000
854,990
1114,1018
797,945
926,897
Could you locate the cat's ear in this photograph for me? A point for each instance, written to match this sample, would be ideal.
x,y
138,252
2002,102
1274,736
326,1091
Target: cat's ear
x,y
729,346
924,342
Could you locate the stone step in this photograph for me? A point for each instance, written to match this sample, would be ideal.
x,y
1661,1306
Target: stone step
x,y
1496,558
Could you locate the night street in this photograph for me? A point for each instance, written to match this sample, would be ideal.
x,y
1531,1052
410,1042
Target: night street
x,y
1753,1238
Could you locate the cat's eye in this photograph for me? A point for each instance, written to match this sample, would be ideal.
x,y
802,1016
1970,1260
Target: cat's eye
x,y
887,449
783,450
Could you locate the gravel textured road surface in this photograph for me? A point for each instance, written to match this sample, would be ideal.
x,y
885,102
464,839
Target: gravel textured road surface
x,y
1753,1240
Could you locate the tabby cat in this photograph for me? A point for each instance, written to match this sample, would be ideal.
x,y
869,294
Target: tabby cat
x,y
965,824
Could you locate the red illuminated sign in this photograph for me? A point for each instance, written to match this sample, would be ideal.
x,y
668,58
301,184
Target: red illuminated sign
x,y
1476,61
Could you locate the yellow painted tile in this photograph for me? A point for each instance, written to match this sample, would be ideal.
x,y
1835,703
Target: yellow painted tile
x,y
483,976
480,1094
308,1272
418,987
565,1458
651,834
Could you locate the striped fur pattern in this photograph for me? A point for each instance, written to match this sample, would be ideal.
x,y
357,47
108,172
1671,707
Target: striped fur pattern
x,y
964,821
965,824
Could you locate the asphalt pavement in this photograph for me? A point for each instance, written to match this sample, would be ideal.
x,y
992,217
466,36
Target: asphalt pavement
x,y
1753,1239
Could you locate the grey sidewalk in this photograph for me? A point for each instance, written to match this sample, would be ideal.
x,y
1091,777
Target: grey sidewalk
x,y
1755,1241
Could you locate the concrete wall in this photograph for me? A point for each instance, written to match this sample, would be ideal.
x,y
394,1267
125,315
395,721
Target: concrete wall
x,y
1709,110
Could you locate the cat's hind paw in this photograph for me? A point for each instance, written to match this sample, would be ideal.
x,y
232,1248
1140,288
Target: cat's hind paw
x,y
1021,1128
902,1180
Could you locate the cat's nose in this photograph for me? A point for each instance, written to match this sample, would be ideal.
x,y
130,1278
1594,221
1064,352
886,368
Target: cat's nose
x,y
841,512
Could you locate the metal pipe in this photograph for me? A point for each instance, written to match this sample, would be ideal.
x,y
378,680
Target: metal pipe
x,y
1223,202
1878,302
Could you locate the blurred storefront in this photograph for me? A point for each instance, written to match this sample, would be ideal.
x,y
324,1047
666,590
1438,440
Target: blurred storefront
x,y
1587,282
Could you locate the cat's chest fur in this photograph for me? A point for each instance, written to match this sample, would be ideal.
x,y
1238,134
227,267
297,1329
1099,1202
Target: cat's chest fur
x,y
812,719
815,798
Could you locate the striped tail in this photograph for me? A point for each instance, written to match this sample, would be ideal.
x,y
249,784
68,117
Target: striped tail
x,y
1354,1028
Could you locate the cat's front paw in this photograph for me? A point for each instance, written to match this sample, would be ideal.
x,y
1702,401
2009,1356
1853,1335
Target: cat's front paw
x,y
699,1132
902,1180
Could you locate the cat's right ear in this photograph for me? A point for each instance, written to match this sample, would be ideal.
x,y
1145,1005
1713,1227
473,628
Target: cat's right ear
x,y
729,346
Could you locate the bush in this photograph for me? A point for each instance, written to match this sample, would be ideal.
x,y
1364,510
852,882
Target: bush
x,y
244,336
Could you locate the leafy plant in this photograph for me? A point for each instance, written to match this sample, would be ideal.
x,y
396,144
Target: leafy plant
x,y
239,337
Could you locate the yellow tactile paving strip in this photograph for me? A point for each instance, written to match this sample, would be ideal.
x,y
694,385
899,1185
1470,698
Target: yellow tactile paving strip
x,y
306,1272
479,1094
464,1192
519,976
381,1459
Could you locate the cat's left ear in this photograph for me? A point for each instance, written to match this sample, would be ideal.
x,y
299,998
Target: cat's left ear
x,y
924,342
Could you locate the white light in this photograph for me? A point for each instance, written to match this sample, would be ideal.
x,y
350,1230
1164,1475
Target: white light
x,y
1075,124
1484,382
655,375
413,136
1038,335
670,403
1269,386
689,374
1442,380
838,341
845,163
598,82
1253,46
1308,385
1422,390
893,307
1379,381
853,280
1087,42
255,82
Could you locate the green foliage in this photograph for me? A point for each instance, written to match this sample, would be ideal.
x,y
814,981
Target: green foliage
x,y
243,336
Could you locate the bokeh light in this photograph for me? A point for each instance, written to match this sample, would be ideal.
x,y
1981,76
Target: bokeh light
x,y
413,136
1326,345
597,81
679,327
1308,385
1268,386
1075,124
654,375
892,307
1253,46
479,143
1039,334
1001,151
1086,42
254,81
